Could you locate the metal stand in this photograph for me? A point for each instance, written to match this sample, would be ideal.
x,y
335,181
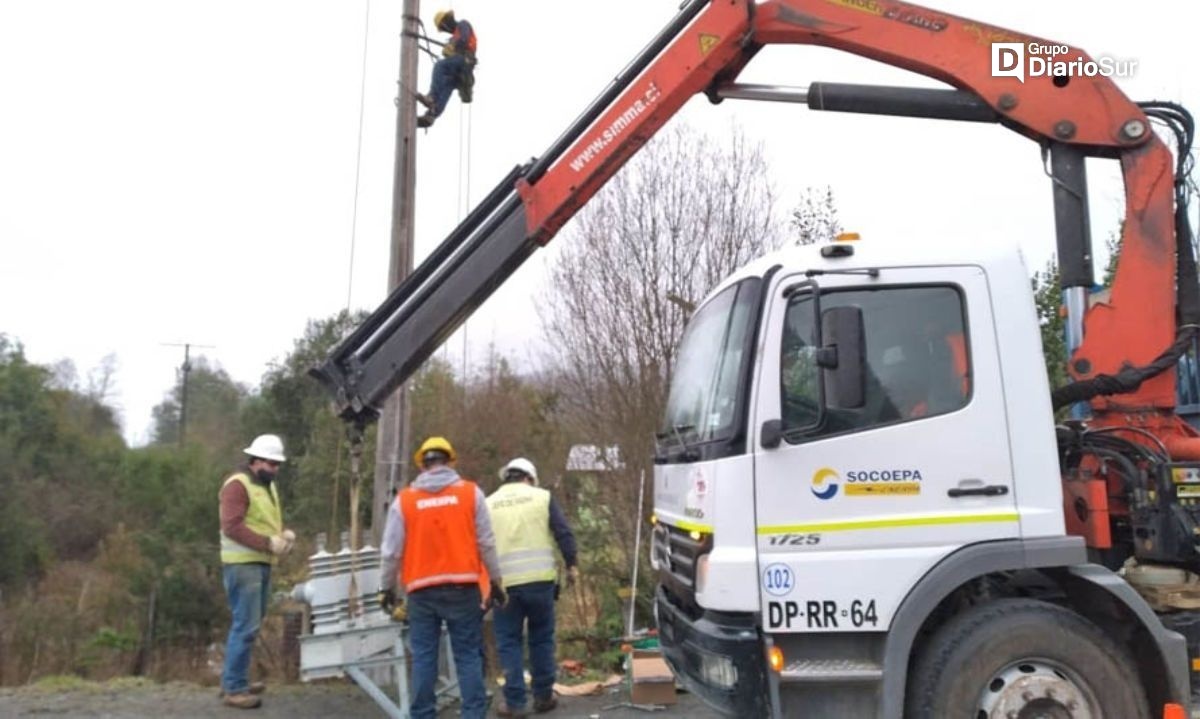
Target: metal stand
x,y
395,659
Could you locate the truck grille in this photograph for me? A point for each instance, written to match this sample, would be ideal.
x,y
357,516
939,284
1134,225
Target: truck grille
x,y
674,552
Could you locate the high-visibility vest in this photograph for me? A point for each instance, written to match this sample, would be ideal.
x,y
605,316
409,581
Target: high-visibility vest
x,y
521,520
456,36
263,516
440,545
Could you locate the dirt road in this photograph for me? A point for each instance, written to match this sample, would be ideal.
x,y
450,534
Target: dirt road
x,y
135,699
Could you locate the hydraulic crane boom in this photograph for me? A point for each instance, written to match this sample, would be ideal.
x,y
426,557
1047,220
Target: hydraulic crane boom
x,y
702,50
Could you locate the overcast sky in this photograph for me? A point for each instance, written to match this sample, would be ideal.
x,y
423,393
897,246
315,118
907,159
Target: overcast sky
x,y
177,171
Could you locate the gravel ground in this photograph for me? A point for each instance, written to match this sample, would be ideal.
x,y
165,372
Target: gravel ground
x,y
135,699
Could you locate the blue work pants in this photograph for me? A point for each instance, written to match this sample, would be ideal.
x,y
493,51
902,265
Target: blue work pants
x,y
531,604
446,75
459,607
248,588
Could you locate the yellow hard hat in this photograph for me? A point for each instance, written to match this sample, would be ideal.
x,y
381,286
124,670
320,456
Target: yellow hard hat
x,y
441,15
434,444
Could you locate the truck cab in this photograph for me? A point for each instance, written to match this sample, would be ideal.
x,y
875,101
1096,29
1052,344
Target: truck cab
x,y
854,433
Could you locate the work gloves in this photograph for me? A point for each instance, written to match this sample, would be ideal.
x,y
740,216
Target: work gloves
x,y
393,605
283,542
572,580
448,50
279,545
496,597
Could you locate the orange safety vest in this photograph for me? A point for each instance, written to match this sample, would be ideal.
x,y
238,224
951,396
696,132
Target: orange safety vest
x,y
440,545
456,36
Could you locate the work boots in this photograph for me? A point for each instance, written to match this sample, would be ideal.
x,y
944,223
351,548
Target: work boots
x,y
425,120
245,700
252,688
545,704
248,699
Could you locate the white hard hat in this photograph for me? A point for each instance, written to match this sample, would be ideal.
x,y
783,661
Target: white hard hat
x,y
521,465
267,446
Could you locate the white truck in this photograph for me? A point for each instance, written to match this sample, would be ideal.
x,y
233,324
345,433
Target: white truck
x,y
859,505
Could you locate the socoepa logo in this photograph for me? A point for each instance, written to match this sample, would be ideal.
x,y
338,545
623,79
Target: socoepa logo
x,y
866,482
823,484
1035,59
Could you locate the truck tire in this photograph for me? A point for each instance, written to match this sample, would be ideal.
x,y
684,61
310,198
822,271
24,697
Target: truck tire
x,y
1023,658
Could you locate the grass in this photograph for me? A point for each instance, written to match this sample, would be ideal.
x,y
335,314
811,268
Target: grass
x,y
60,683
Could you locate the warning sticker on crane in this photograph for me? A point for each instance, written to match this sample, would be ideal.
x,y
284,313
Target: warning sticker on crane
x,y
707,42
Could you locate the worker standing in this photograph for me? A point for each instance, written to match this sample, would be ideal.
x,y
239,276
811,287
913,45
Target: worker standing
x,y
456,69
437,542
528,522
252,536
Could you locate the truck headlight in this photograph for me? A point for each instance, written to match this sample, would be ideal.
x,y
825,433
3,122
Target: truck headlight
x,y
718,670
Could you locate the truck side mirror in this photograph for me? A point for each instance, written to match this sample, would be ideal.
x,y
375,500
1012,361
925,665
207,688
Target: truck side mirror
x,y
771,434
844,376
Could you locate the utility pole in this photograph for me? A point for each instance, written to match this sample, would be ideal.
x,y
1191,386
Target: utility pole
x,y
183,393
394,434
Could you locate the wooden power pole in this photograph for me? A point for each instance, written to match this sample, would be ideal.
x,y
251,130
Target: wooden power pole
x,y
394,435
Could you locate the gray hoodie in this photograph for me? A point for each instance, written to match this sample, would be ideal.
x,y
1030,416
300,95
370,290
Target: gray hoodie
x,y
435,480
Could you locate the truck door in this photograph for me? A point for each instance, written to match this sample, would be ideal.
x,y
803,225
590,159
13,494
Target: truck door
x,y
855,504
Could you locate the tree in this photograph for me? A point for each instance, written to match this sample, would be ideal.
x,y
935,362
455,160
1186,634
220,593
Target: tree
x,y
682,215
26,418
815,218
1047,297
1113,245
314,483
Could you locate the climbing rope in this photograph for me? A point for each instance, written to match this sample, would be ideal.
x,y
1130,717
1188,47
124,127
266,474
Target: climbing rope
x,y
464,159
362,94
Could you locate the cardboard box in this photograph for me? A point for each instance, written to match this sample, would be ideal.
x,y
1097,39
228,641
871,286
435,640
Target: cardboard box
x,y
652,682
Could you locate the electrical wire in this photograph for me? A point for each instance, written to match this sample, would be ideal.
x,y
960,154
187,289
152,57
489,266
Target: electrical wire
x,y
1164,454
362,96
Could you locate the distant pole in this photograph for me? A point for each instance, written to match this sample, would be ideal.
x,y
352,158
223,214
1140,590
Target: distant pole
x,y
394,434
187,367
183,390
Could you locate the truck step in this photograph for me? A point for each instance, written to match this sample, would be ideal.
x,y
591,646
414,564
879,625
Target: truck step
x,y
831,671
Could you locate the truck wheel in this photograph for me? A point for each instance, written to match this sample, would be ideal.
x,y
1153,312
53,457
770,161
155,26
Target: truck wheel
x,y
1023,659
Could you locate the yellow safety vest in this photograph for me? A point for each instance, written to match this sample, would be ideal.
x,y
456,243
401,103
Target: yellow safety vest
x,y
263,516
521,520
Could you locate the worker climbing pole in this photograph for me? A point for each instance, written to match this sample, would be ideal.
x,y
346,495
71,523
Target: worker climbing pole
x,y
454,71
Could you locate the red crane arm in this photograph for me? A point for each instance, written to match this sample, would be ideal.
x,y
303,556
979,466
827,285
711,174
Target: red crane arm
x,y
1134,326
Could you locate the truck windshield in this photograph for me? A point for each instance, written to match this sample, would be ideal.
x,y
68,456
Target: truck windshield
x,y
703,404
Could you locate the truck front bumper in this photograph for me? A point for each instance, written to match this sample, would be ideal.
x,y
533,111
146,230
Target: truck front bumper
x,y
718,657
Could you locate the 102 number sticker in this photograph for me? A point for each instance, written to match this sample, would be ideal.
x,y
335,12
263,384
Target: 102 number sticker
x,y
778,579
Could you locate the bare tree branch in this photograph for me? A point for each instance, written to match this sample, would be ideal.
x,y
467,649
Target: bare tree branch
x,y
685,212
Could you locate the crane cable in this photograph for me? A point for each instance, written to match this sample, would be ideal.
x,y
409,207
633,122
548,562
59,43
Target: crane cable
x,y
464,121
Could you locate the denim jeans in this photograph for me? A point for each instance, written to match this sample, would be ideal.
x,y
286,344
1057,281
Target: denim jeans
x,y
248,587
458,607
446,74
532,603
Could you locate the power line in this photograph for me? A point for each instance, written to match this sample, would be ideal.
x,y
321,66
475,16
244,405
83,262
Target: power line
x,y
362,95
